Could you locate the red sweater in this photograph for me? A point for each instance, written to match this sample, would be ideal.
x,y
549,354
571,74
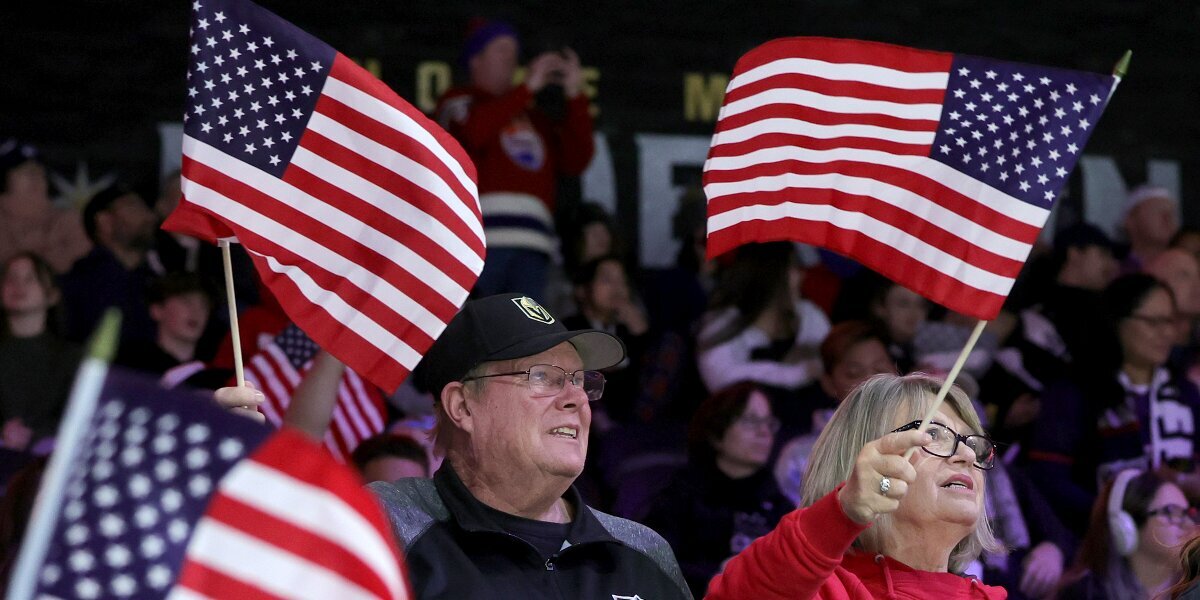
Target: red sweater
x,y
806,556
515,146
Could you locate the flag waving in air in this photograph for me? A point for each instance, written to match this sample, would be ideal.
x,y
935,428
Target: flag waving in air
x,y
361,215
936,170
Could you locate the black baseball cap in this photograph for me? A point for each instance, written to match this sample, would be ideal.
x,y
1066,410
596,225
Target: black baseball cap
x,y
504,327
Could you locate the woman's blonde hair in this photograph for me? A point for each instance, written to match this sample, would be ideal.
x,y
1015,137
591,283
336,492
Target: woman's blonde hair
x,y
868,413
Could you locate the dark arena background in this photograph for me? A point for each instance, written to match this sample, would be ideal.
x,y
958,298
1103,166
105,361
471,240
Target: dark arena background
x,y
102,83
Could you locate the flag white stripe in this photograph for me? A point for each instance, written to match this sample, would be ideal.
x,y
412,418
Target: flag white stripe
x,y
369,409
348,316
824,132
268,407
914,204
349,406
889,235
380,197
182,593
843,72
284,365
266,566
314,509
833,104
921,165
330,216
389,115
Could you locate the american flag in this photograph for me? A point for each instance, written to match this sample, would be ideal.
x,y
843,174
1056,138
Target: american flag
x,y
170,496
278,368
361,215
937,170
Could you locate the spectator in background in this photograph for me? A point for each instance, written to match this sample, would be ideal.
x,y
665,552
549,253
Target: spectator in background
x,y
1131,551
387,457
726,497
519,148
759,329
605,302
590,234
115,272
1180,271
901,312
851,353
1149,222
180,305
1126,410
29,221
37,366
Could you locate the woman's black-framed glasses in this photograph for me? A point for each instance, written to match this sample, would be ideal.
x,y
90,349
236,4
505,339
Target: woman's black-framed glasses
x,y
946,441
548,380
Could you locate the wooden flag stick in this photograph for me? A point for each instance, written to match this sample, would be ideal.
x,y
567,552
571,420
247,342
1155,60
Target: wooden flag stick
x,y
234,334
950,377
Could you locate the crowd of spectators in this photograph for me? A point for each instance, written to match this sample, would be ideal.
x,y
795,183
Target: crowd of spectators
x,y
1088,379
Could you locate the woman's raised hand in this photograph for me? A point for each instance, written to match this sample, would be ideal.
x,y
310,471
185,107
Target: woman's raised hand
x,y
881,476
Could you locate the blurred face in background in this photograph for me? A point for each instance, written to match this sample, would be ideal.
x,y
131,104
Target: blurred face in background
x,y
24,290
1167,526
182,317
27,180
747,442
597,241
1093,267
609,290
860,361
902,311
1153,222
493,67
1148,334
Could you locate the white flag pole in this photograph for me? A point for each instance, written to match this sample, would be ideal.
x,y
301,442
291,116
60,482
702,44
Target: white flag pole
x,y
77,421
950,377
234,333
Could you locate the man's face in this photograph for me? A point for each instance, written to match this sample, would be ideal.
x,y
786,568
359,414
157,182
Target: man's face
x,y
131,223
1152,221
1095,266
493,67
515,430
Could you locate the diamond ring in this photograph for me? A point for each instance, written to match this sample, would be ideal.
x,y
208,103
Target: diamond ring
x,y
885,486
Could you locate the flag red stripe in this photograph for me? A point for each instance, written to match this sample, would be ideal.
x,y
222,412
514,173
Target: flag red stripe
x,y
278,456
415,194
346,71
949,242
216,584
872,253
849,89
911,181
822,117
320,325
336,196
773,140
295,540
843,51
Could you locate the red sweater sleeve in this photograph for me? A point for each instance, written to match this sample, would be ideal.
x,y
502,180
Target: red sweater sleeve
x,y
794,560
486,118
575,137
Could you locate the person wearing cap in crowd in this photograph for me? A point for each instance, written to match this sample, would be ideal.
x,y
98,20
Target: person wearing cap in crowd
x,y
520,144
115,272
29,221
1149,221
501,517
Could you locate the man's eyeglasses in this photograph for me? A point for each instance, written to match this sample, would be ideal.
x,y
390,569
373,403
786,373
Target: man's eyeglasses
x,y
548,380
1176,514
946,441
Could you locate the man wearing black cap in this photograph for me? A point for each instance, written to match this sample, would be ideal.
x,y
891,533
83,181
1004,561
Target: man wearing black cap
x,y
501,519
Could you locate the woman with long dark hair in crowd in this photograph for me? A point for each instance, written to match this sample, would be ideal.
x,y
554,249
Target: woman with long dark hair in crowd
x,y
726,497
874,524
1131,550
36,365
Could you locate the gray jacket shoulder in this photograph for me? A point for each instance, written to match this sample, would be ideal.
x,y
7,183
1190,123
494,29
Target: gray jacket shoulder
x,y
648,542
412,506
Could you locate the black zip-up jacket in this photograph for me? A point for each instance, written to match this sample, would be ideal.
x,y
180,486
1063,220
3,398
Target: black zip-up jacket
x,y
454,550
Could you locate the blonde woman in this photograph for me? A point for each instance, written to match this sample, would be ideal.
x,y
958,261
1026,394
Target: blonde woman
x,y
872,524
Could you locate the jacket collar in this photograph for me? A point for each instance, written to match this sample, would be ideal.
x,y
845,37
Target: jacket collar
x,y
472,515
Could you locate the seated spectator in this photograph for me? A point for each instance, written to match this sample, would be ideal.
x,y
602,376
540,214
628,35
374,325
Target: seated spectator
x,y
180,305
37,366
759,329
520,146
387,457
115,272
29,221
851,353
898,311
1131,551
1149,223
725,498
1127,410
605,302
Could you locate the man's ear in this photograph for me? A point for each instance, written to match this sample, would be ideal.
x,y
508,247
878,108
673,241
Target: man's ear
x,y
457,407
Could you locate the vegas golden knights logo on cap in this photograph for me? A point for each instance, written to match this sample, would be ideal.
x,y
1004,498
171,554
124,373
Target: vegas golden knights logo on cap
x,y
533,310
